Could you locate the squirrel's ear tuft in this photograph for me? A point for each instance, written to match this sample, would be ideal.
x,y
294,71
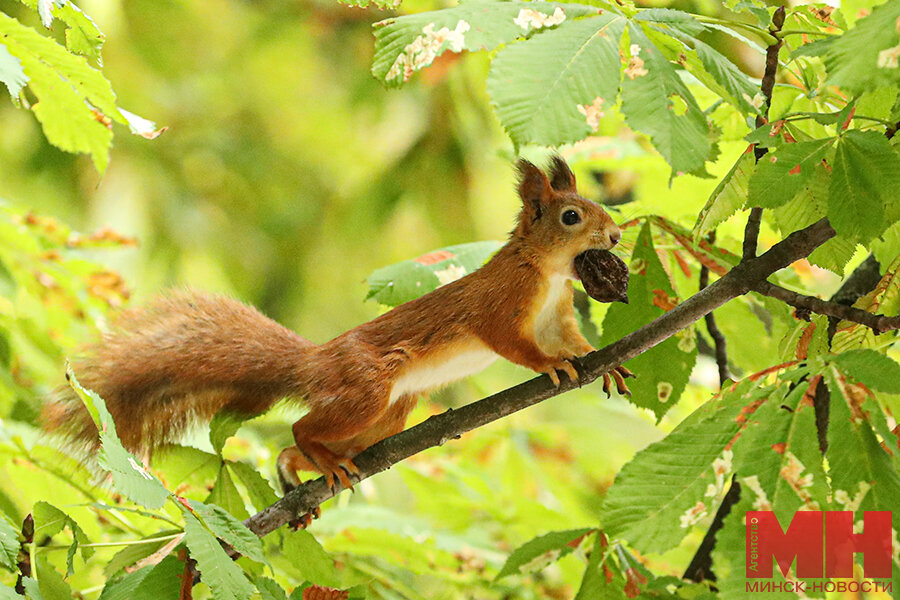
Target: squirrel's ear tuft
x,y
534,189
561,177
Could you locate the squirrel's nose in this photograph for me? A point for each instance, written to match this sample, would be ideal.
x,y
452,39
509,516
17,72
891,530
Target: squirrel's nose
x,y
614,236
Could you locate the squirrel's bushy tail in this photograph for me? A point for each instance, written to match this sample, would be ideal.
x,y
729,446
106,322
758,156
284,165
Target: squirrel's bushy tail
x,y
178,361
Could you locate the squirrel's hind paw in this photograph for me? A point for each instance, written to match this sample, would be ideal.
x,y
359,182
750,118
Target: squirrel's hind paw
x,y
303,521
618,374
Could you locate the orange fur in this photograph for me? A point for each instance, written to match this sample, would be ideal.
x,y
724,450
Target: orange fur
x,y
189,355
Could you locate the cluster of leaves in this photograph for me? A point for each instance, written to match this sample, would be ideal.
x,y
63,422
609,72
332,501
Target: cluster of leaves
x,y
50,296
73,101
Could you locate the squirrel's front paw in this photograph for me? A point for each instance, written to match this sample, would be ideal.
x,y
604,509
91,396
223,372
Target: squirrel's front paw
x,y
582,349
566,367
618,374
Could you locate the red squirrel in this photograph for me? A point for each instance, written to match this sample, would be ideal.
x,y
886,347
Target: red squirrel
x,y
189,355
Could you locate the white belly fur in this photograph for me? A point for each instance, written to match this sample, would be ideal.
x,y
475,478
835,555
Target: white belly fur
x,y
547,332
443,369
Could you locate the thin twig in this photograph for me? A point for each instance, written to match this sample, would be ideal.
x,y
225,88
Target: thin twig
x,y
751,231
719,343
439,429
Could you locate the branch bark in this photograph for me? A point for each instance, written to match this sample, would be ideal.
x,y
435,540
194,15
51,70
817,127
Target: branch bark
x,y
719,343
439,429
877,323
751,231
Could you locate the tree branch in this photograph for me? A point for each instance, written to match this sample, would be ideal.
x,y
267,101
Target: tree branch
x,y
877,323
438,429
751,231
719,343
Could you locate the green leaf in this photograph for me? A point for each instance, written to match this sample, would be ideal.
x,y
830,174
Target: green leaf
x,y
225,494
552,89
730,556
678,22
872,368
406,44
258,488
11,72
783,172
224,578
229,529
728,197
123,588
163,582
310,558
866,57
404,281
834,254
9,544
663,371
82,35
777,459
655,101
49,520
884,299
864,182
32,589
223,426
733,84
134,552
269,589
677,482
51,582
66,88
8,593
862,474
129,477
805,208
541,551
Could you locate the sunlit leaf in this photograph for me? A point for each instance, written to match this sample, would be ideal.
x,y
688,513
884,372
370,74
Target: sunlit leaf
x,y
871,368
75,102
11,72
866,57
224,578
782,173
656,102
677,482
129,476
541,551
728,197
229,529
9,544
554,88
403,45
864,183
404,281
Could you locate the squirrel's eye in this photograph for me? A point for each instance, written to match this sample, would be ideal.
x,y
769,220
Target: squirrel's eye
x,y
570,217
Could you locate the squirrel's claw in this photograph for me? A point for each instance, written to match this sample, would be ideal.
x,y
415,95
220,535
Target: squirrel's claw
x,y
567,367
619,378
303,521
618,374
551,373
343,470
